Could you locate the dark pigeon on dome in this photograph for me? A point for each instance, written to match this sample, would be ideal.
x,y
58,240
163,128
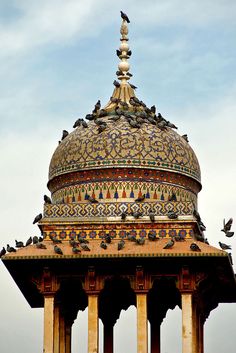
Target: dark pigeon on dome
x,y
47,199
116,84
77,123
129,52
118,52
65,133
97,105
185,137
133,86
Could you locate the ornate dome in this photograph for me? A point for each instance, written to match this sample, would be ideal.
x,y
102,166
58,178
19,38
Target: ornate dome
x,y
120,145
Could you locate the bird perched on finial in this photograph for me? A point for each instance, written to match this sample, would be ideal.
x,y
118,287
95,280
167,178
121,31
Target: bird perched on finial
x,y
124,16
118,53
224,246
38,218
47,199
116,84
65,133
194,247
133,86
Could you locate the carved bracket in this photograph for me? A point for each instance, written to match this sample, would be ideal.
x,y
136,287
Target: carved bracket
x,y
186,281
47,283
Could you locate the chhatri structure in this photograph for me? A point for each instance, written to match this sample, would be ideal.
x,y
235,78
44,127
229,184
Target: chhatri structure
x,y
123,229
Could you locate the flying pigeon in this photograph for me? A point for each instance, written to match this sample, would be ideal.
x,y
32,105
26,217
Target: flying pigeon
x,y
227,225
124,16
38,218
229,234
224,246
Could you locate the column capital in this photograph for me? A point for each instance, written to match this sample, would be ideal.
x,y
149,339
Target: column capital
x,y
142,282
48,283
92,285
187,281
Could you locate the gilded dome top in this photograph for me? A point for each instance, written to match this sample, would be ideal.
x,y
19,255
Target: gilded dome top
x,y
120,145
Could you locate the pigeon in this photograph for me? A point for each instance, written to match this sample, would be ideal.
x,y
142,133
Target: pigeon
x,y
29,241
194,247
58,250
83,240
227,225
118,53
123,216
153,109
35,239
40,246
124,104
129,52
152,216
169,244
172,126
47,199
133,86
103,245
206,241
97,105
201,226
65,133
55,240
124,17
84,124
224,246
75,250
19,244
185,137
84,247
92,199
77,123
116,84
114,99
101,128
107,238
10,248
119,73
140,199
121,244
38,218
140,241
173,197
73,243
2,252
152,236
89,117
229,234
136,214
102,113
129,74
172,215
131,237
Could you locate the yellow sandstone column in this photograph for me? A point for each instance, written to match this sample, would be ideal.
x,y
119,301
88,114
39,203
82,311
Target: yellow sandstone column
x,y
68,325
93,323
48,324
142,327
62,335
56,333
189,327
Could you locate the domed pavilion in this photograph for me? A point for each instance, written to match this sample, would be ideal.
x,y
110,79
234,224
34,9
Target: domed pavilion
x,y
122,228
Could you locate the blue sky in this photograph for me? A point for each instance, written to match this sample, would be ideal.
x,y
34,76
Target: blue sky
x,y
57,58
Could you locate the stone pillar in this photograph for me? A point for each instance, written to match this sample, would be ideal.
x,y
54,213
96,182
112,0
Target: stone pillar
x,y
68,325
155,336
201,334
62,330
56,333
108,337
48,340
93,334
189,324
142,326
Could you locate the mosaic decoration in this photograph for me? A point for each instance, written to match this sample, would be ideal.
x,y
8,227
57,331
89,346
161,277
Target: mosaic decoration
x,y
89,234
110,191
85,209
135,175
121,145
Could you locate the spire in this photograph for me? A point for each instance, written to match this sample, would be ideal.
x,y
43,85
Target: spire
x,y
123,90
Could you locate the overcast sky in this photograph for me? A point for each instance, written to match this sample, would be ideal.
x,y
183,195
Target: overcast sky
x,y
57,58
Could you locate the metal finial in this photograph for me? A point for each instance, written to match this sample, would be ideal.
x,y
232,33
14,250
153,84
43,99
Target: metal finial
x,y
124,52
